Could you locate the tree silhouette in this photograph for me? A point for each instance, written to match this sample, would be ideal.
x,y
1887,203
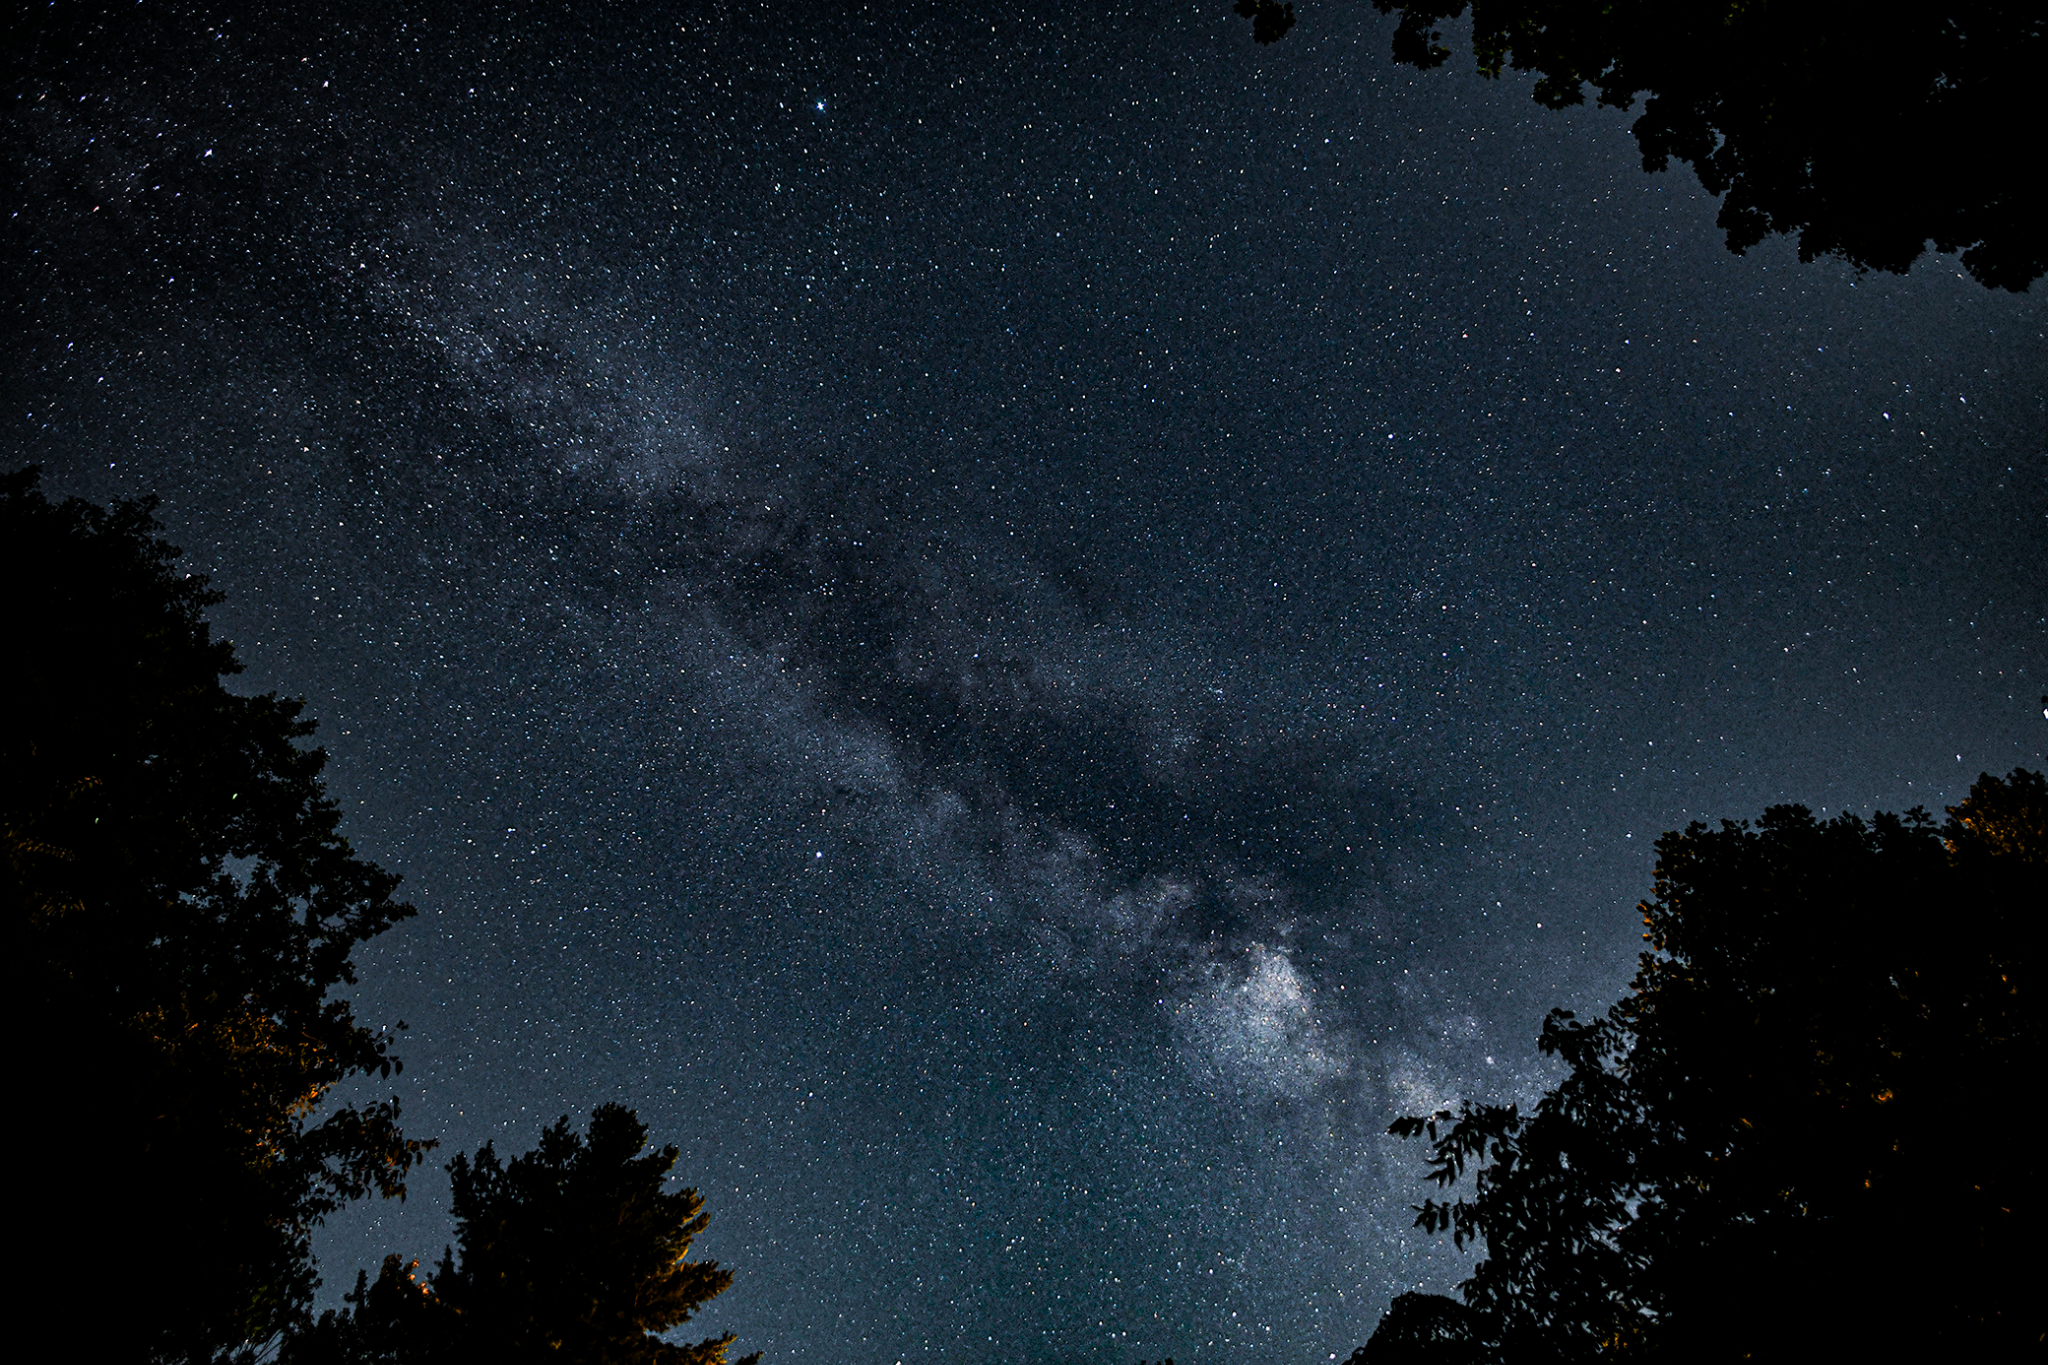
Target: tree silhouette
x,y
1795,1139
1867,131
182,905
571,1253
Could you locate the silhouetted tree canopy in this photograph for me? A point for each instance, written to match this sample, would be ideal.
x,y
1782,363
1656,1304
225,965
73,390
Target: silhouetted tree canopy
x,y
1867,130
1800,1137
182,906
572,1253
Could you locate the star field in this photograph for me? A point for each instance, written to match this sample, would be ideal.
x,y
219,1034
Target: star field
x,y
1021,624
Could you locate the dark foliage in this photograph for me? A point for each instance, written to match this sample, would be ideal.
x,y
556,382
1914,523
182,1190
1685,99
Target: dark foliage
x,y
1867,131
182,905
1270,21
1421,1328
571,1253
1793,1141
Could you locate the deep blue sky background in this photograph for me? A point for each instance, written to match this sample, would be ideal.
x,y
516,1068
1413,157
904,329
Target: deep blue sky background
x,y
1021,623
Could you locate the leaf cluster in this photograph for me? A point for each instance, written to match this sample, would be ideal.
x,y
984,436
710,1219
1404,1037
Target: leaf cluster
x,y
183,906
1270,18
1867,131
1781,1115
572,1252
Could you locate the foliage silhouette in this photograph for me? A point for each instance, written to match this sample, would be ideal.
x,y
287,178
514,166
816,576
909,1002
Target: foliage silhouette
x,y
1793,1140
182,905
1424,1329
571,1253
1270,22
1867,132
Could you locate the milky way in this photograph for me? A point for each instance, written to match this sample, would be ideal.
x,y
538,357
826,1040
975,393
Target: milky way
x,y
1020,626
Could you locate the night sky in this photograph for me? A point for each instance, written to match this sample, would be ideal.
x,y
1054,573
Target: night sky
x,y
1021,622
